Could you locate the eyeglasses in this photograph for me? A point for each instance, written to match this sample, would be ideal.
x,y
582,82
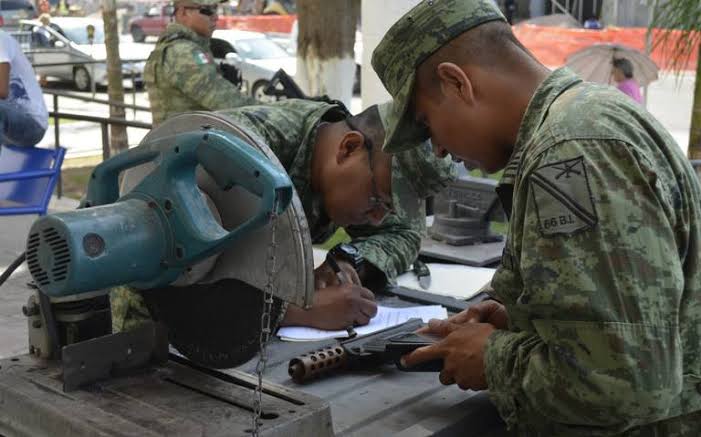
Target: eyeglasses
x,y
204,10
376,203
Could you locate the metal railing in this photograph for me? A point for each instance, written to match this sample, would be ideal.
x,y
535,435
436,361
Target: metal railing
x,y
104,122
132,73
133,106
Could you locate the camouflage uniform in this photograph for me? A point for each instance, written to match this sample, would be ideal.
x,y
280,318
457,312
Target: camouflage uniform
x,y
601,274
289,129
181,76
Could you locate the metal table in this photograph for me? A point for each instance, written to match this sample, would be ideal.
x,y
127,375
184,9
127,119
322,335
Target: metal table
x,y
386,401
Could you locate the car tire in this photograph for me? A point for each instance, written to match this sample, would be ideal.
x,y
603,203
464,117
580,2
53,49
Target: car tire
x,y
82,79
258,94
137,34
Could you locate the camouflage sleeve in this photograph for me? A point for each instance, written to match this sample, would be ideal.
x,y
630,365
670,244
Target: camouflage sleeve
x,y
128,309
192,71
394,245
602,278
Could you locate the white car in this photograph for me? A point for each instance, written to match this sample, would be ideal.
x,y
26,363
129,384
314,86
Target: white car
x,y
66,42
257,56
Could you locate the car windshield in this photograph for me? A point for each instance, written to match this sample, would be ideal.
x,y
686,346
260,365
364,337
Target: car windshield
x,y
78,33
259,48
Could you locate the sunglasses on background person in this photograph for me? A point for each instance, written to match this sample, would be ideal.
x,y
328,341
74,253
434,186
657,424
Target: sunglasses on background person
x,y
204,10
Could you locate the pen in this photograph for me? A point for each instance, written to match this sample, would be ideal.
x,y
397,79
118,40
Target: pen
x,y
340,275
341,279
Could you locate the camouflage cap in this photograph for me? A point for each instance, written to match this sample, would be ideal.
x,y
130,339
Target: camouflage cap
x,y
410,41
177,3
430,174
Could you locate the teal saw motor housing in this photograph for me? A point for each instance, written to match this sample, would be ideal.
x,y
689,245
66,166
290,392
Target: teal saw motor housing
x,y
149,236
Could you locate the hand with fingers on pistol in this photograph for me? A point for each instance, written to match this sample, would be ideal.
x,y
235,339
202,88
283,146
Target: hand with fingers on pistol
x,y
464,336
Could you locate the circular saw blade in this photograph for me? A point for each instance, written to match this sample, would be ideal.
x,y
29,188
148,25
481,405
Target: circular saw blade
x,y
205,322
215,321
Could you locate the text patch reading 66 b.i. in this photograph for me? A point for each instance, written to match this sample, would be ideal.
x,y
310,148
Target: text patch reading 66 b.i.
x,y
562,198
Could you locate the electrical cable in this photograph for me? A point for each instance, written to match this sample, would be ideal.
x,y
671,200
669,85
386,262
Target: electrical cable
x,y
12,267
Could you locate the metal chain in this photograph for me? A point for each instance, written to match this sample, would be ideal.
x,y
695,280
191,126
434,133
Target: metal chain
x,y
265,325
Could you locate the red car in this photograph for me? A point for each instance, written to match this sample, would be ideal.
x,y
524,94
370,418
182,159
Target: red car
x,y
152,23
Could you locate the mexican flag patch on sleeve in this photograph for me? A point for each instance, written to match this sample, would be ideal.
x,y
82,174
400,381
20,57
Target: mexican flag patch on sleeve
x,y
202,58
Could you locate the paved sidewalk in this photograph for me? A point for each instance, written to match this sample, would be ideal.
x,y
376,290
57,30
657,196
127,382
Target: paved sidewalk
x,y
14,293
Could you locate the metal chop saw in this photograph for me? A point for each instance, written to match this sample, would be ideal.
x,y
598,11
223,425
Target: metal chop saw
x,y
208,229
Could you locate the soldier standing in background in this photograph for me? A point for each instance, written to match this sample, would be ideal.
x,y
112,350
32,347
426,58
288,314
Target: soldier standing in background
x,y
180,73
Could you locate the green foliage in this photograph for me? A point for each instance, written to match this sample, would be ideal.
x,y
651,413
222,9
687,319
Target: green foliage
x,y
679,29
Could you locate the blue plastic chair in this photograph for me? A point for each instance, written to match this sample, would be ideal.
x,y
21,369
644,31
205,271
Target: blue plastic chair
x,y
28,176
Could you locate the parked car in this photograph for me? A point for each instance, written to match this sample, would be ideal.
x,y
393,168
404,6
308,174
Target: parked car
x,y
66,41
12,11
257,56
152,23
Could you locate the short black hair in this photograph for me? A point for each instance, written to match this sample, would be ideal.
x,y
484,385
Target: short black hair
x,y
370,125
624,65
490,45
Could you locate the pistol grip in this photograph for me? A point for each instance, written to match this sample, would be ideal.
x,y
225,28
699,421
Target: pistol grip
x,y
428,366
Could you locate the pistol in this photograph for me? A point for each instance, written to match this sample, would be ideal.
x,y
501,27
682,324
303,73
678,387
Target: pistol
x,y
382,347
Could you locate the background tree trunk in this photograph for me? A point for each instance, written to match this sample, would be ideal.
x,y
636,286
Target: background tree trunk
x,y
115,89
325,61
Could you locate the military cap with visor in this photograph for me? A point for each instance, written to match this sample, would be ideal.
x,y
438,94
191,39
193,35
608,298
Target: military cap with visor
x,y
410,41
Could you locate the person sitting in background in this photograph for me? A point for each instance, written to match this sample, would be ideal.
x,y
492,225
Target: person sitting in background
x,y
23,114
623,75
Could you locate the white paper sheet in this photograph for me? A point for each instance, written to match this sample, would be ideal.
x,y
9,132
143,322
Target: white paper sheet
x,y
456,280
385,318
461,282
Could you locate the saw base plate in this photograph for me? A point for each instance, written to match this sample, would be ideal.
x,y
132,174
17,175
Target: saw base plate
x,y
175,399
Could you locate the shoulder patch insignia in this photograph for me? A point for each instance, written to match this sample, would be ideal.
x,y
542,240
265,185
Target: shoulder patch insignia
x,y
562,197
202,58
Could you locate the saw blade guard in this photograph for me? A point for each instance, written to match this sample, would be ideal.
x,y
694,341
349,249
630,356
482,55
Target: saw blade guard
x,y
244,259
163,225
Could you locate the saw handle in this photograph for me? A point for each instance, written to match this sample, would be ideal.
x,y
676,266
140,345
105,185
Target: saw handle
x,y
103,187
231,162
172,188
248,168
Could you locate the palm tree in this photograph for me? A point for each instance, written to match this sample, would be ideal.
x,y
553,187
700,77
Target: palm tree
x,y
676,24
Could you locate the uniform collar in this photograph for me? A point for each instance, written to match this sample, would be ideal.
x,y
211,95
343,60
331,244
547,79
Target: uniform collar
x,y
548,91
185,32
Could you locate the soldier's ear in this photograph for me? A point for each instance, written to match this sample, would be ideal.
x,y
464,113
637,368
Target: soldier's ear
x,y
351,143
454,82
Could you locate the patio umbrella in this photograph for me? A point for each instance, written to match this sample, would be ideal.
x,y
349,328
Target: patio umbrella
x,y
594,63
